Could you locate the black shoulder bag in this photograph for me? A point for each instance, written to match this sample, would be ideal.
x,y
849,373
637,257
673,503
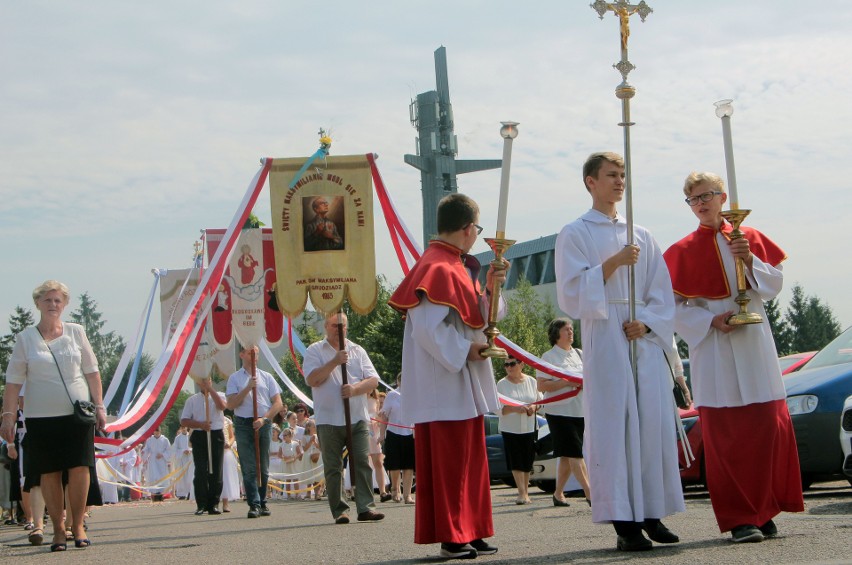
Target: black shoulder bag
x,y
84,410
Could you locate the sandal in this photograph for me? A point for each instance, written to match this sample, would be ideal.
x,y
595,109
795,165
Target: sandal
x,y
58,547
29,526
36,536
69,535
82,543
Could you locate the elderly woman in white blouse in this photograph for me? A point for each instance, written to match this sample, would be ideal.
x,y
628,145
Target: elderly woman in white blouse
x,y
56,361
517,425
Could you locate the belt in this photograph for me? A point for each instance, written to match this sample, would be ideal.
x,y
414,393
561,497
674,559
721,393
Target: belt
x,y
624,301
244,420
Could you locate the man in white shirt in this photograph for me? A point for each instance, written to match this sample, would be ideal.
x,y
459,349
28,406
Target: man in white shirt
x,y
322,367
204,421
239,394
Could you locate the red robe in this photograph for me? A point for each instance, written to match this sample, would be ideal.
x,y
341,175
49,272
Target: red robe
x,y
451,461
441,274
696,266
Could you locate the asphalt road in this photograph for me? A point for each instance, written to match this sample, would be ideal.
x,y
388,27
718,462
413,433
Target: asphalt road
x,y
303,533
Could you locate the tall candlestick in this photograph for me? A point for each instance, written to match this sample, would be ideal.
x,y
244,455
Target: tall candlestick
x,y
508,132
725,110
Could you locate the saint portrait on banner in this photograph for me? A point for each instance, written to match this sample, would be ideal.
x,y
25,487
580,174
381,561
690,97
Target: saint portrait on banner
x,y
322,215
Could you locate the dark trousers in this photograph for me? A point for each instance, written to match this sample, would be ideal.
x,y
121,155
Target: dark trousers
x,y
207,481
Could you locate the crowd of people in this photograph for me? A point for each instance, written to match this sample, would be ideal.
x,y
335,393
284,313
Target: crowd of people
x,y
616,433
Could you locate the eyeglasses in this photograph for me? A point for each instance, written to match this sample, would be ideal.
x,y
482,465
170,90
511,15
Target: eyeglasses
x,y
478,228
703,197
510,363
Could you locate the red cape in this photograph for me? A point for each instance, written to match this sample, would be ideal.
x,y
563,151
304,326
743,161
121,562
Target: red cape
x,y
441,276
695,263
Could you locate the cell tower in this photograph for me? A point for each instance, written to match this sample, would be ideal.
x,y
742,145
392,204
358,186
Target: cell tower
x,y
437,146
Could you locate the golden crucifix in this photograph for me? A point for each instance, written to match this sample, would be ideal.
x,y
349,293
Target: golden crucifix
x,y
623,10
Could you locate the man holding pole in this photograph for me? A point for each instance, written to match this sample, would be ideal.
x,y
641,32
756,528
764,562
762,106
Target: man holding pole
x,y
253,426
629,411
203,412
339,372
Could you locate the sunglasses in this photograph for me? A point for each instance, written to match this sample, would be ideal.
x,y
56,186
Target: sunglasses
x,y
510,363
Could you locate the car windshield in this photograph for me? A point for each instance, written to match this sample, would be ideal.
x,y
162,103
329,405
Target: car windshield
x,y
838,351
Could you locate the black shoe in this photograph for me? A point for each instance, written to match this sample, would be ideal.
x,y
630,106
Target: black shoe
x,y
265,511
557,502
370,516
253,512
213,511
342,519
457,551
633,542
199,512
658,532
482,547
746,534
385,497
769,529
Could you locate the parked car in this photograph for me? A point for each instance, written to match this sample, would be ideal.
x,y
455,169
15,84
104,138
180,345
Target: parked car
x,y
816,388
543,473
846,437
794,362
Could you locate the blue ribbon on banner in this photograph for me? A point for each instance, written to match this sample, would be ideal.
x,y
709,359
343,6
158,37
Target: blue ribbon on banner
x,y
321,152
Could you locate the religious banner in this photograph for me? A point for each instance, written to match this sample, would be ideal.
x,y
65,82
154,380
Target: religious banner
x,y
212,361
323,234
259,263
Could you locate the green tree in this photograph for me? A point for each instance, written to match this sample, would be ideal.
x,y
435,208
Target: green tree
x,y
19,320
526,321
308,335
780,329
811,323
108,346
380,333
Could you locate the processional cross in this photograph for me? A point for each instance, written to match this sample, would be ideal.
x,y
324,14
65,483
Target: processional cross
x,y
625,92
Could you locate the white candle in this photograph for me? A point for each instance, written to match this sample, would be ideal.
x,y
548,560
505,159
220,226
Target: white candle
x,y
509,131
724,110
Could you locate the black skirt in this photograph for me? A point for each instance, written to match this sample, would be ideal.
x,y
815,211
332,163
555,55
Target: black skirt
x,y
399,452
58,443
520,451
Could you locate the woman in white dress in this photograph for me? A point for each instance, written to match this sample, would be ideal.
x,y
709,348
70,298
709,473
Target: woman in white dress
x,y
312,460
231,479
182,456
376,455
276,465
290,452
301,463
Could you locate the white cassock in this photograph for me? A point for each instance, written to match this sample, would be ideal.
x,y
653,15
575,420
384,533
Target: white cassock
x,y
741,367
127,464
630,439
183,486
157,454
106,478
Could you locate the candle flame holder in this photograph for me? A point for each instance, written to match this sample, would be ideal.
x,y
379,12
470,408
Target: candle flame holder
x,y
743,317
499,246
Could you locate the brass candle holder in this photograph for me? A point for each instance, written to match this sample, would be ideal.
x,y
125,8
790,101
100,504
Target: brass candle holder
x,y
499,245
743,317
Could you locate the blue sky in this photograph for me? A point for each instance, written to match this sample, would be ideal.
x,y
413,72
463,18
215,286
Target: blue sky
x,y
125,128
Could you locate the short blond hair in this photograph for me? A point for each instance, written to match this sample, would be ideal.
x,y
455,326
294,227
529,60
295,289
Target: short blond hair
x,y
48,286
695,178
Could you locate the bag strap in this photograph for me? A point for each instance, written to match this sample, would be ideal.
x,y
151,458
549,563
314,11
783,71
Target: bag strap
x,y
61,378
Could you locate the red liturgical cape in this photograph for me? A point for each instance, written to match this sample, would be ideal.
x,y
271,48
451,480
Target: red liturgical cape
x,y
441,275
695,263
